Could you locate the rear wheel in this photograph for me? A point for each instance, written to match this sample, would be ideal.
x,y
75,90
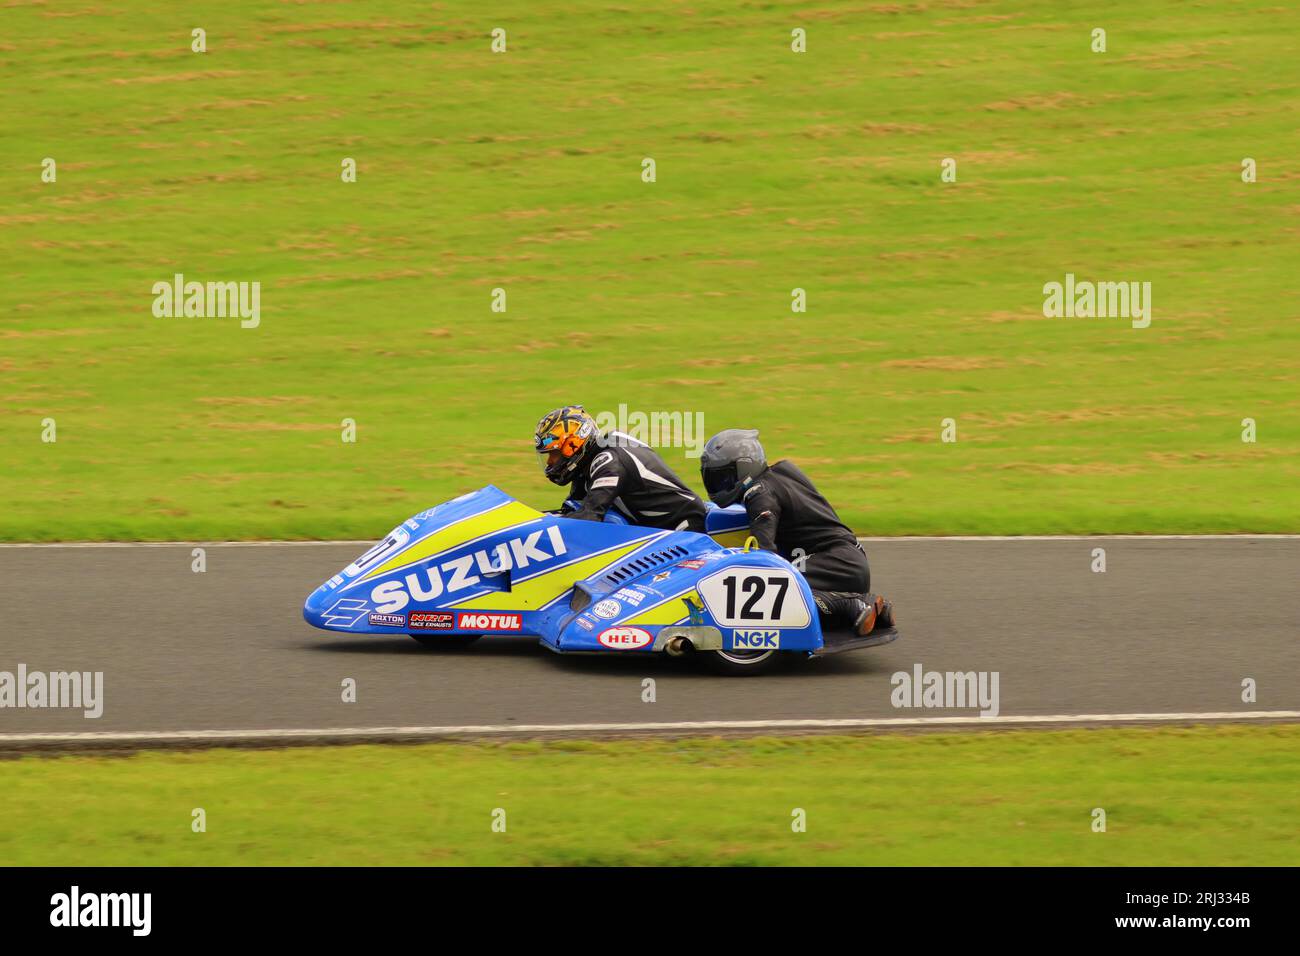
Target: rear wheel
x,y
743,663
446,640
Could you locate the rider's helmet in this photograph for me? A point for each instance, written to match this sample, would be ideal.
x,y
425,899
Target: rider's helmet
x,y
730,462
563,440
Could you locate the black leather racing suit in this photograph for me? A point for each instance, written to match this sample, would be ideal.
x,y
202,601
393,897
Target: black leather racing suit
x,y
788,515
629,475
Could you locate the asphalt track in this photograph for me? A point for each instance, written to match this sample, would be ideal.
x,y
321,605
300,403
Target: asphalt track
x,y
1172,627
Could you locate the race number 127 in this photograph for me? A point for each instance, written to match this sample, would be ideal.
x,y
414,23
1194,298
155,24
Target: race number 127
x,y
753,588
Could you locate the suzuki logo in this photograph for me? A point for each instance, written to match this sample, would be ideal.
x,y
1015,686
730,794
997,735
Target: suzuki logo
x,y
428,584
344,612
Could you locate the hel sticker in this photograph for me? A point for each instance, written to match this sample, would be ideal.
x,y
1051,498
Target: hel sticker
x,y
624,638
748,597
607,609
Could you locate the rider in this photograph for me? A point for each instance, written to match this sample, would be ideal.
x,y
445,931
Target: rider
x,y
613,470
787,515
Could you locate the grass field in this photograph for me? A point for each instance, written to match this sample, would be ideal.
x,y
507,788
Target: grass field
x,y
1004,798
522,170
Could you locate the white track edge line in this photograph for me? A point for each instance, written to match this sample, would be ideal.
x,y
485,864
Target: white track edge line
x,y
491,729
883,539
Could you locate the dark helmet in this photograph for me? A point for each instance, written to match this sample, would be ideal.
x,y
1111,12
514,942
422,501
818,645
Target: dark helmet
x,y
563,440
730,462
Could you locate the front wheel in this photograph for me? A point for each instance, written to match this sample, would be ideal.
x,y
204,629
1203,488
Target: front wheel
x,y
743,663
446,640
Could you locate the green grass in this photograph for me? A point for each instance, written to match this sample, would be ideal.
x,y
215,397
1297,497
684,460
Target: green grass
x,y
1200,796
522,170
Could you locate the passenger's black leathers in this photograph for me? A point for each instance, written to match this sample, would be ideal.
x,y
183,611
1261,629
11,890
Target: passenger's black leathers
x,y
788,515
629,475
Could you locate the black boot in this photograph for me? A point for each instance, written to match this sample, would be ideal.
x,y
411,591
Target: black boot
x,y
884,608
866,613
840,608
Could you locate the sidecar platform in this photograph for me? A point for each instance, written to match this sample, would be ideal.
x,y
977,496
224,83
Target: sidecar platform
x,y
834,642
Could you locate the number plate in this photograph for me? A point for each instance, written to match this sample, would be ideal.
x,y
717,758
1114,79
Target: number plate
x,y
743,597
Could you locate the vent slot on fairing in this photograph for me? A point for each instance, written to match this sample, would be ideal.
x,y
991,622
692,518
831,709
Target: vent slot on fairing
x,y
637,566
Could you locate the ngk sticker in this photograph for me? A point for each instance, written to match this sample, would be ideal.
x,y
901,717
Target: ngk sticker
x,y
755,640
624,638
489,622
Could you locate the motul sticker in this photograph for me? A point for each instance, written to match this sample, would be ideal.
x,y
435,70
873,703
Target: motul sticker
x,y
489,622
624,638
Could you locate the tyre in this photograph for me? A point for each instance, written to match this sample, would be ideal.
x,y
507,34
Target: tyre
x,y
743,663
446,640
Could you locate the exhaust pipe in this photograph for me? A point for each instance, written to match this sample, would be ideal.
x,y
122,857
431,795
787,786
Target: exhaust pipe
x,y
677,647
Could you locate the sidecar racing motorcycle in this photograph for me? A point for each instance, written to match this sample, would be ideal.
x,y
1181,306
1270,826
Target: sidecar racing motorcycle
x,y
485,564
